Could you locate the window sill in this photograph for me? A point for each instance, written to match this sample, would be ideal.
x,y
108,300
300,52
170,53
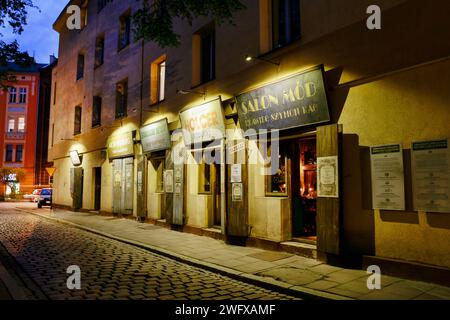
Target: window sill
x,y
202,84
120,49
97,67
155,104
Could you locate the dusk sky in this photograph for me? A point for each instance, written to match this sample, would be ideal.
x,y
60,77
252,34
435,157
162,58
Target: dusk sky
x,y
39,37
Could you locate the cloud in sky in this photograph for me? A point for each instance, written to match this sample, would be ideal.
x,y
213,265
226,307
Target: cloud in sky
x,y
38,36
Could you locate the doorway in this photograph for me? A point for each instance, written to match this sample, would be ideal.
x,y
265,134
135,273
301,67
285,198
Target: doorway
x,y
304,189
216,193
97,187
123,174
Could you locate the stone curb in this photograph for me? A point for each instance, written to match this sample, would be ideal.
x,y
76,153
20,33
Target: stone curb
x,y
15,291
267,283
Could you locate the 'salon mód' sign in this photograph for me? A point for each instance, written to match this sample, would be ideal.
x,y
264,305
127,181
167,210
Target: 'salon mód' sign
x,y
297,101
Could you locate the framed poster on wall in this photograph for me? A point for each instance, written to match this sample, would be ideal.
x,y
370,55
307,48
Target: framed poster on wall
x,y
388,186
431,175
327,177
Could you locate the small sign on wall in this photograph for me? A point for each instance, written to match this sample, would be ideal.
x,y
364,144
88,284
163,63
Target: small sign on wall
x,y
236,173
237,192
168,181
431,175
388,187
327,177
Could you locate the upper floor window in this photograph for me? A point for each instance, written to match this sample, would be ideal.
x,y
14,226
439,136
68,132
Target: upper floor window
x,y
11,124
158,80
23,95
84,13
12,95
204,55
54,93
21,124
96,111
124,30
80,66
9,153
101,4
285,22
121,98
19,153
99,51
77,121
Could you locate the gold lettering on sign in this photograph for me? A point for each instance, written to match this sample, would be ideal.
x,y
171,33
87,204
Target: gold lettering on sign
x,y
286,95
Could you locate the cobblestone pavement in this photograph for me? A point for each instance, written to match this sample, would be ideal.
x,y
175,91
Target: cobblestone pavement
x,y
109,269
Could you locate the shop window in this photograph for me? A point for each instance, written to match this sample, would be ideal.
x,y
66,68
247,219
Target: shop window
x,y
285,22
204,178
158,80
96,111
80,67
9,153
23,95
121,98
77,121
124,30
21,124
277,184
19,153
99,51
12,95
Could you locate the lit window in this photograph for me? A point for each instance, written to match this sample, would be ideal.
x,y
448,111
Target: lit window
x,y
11,124
158,80
276,184
21,127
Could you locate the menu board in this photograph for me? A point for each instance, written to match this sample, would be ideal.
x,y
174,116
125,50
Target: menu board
x,y
431,175
388,182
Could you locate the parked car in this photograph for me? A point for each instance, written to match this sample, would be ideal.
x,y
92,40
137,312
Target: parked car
x,y
45,198
34,196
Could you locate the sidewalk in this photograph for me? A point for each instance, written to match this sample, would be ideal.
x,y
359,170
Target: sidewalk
x,y
272,269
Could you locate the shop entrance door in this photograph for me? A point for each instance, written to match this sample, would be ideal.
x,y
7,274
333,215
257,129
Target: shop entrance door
x,y
217,213
77,187
97,187
304,188
123,170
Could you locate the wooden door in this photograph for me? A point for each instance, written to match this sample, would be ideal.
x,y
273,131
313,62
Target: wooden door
x,y
77,194
328,209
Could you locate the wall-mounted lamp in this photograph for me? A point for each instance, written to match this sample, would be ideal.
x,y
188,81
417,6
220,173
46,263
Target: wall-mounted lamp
x,y
184,92
249,58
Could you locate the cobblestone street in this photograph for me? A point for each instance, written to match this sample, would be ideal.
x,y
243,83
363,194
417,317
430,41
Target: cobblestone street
x,y
109,269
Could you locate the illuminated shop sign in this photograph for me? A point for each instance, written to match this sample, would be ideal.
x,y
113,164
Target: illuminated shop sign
x,y
155,136
294,102
75,158
120,146
202,123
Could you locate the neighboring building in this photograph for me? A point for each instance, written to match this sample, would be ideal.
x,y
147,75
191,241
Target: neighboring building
x,y
378,87
18,121
46,98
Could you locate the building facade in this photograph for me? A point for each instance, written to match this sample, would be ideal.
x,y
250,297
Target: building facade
x,y
357,111
18,125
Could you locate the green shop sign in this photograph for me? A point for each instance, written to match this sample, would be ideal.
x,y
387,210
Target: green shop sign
x,y
155,136
300,100
120,146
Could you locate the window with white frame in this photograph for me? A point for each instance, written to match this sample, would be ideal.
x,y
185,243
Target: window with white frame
x,y
23,95
12,95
